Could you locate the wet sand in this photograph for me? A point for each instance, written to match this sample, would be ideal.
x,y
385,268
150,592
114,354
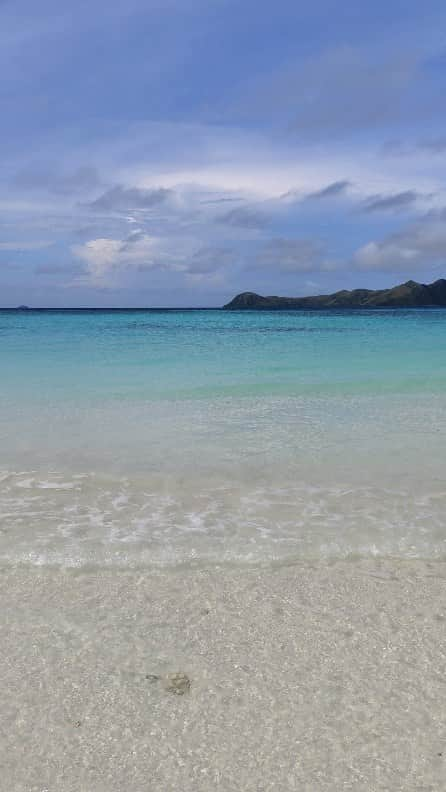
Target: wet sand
x,y
306,677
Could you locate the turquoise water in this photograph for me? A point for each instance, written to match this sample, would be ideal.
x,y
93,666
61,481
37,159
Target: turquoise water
x,y
169,436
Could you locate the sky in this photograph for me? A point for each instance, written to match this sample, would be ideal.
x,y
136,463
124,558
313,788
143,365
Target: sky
x,y
178,152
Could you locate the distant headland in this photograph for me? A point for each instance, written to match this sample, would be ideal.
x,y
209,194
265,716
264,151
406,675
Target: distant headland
x,y
406,295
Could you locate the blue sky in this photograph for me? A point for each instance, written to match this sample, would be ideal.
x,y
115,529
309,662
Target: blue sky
x,y
177,152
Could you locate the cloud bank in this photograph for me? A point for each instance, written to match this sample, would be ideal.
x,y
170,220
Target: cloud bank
x,y
312,158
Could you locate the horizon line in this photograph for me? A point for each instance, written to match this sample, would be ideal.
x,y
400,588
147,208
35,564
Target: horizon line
x,y
26,308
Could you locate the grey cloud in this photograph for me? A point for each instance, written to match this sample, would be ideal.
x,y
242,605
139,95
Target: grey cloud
x,y
58,269
392,203
345,90
100,229
132,239
222,200
125,199
332,190
204,261
245,217
342,90
290,255
433,145
24,245
395,148
418,245
400,148
209,259
81,180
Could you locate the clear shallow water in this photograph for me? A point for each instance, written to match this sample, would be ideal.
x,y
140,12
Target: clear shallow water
x,y
160,437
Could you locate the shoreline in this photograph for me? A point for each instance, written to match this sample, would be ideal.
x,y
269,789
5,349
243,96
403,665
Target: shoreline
x,y
321,676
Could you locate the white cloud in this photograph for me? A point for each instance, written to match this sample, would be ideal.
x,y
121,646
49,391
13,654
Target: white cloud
x,y
106,257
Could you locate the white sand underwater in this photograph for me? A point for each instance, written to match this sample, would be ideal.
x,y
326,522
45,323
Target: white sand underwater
x,y
323,677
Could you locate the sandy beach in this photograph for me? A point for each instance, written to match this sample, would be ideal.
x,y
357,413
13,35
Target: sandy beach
x,y
308,677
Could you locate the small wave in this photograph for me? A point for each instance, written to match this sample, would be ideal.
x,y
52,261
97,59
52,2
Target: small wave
x,y
91,519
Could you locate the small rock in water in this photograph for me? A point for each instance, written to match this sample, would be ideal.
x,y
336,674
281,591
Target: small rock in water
x,y
178,683
152,678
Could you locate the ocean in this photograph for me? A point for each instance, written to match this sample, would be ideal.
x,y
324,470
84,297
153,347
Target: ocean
x,y
139,438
